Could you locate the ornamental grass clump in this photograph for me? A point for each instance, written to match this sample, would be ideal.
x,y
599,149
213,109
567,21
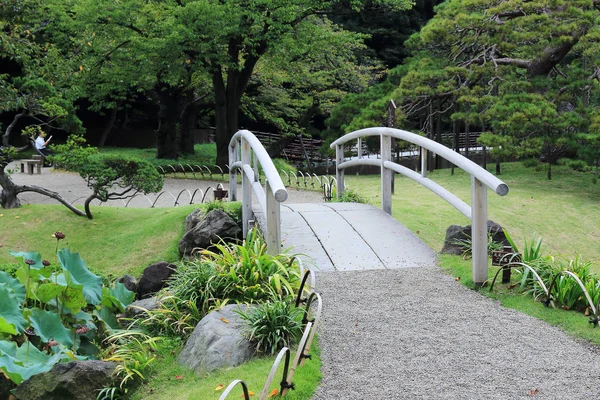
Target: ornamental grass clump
x,y
273,326
233,273
246,273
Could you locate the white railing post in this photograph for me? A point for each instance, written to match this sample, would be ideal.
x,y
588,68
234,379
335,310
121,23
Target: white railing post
x,y
246,187
339,172
386,174
479,237
273,235
233,157
424,156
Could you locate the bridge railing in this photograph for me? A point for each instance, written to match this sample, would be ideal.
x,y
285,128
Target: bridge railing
x,y
246,154
480,181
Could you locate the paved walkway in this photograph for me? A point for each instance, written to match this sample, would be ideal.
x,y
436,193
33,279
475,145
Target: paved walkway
x,y
351,236
394,326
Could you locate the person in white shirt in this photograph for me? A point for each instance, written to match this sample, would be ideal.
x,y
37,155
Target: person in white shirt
x,y
41,144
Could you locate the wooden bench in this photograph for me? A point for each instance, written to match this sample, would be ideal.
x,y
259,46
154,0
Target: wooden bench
x,y
30,166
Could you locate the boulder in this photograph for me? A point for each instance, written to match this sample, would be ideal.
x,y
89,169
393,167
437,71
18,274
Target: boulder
x,y
215,226
6,385
138,308
217,342
193,219
79,380
154,278
455,233
129,282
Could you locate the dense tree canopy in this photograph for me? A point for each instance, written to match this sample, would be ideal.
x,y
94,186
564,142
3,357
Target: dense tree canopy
x,y
525,71
181,53
36,76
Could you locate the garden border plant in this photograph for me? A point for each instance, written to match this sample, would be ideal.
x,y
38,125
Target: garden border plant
x,y
56,312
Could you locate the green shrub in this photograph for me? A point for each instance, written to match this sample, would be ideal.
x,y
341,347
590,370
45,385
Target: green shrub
x,y
466,245
531,163
246,273
272,326
240,273
349,196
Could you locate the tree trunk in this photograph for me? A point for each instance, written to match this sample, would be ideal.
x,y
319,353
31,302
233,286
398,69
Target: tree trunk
x,y
9,199
8,195
86,206
167,137
227,107
6,136
189,115
112,117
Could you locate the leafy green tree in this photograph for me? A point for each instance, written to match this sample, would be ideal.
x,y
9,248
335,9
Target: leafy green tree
x,y
479,58
109,177
172,49
36,77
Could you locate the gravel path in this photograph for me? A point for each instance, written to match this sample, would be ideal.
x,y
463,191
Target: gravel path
x,y
73,189
418,334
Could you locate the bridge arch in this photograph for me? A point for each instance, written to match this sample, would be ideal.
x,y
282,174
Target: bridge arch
x,y
246,154
481,179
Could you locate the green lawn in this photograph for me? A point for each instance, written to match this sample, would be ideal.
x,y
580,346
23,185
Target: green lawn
x,y
564,211
117,241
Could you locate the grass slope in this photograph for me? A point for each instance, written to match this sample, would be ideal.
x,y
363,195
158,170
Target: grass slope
x,y
564,211
117,241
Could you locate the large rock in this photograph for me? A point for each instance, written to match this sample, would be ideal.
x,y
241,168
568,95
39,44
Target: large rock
x,y
6,385
193,219
217,342
215,226
455,233
129,282
140,308
154,278
77,380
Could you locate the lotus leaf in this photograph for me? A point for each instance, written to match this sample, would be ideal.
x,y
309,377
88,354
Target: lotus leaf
x,y
92,284
48,326
11,316
13,284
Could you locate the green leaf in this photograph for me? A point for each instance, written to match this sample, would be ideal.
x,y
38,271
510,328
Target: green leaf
x,y
14,285
123,295
47,291
108,317
48,326
11,316
73,298
30,255
92,284
20,364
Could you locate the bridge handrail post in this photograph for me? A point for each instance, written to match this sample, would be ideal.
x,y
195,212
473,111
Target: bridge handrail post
x,y
479,236
481,180
386,174
233,158
339,172
246,187
253,155
273,217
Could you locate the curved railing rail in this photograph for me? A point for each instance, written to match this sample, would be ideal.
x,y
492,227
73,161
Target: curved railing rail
x,y
246,153
480,181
